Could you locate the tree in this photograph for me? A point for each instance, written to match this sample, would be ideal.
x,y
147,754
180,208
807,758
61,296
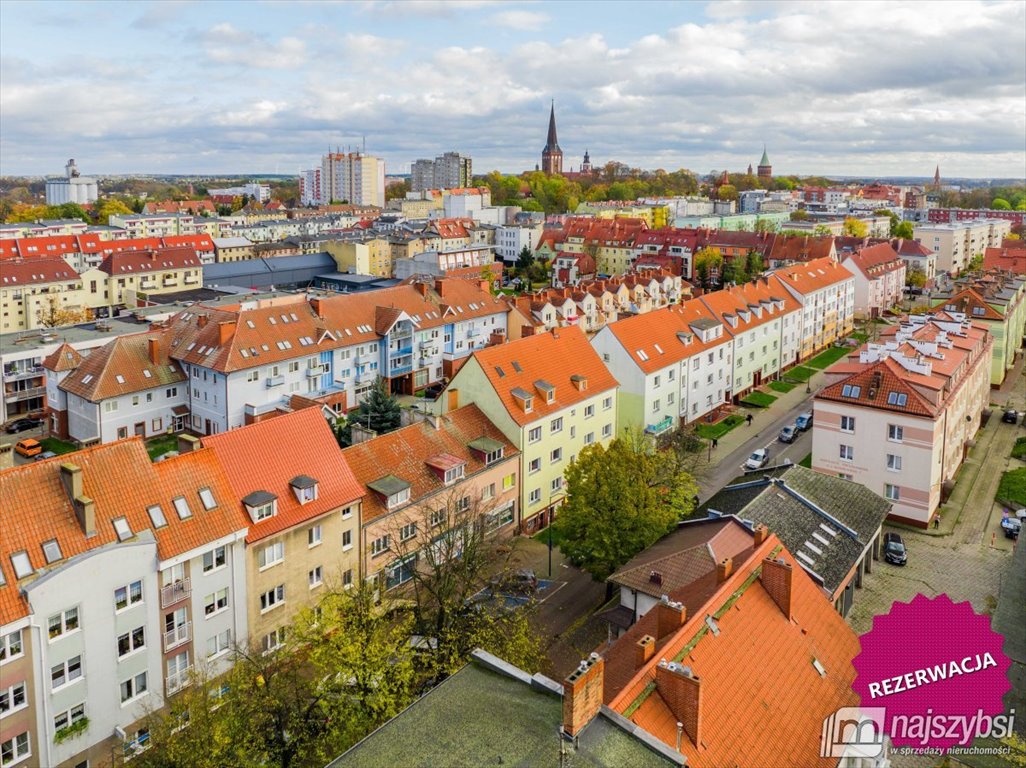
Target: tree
x,y
754,265
51,314
1000,204
733,271
620,500
397,191
799,215
974,264
379,412
915,276
727,192
525,259
855,227
765,225
707,261
903,229
111,207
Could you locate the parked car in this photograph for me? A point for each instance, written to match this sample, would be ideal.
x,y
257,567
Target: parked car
x,y
757,459
804,421
1012,526
45,455
894,549
22,425
1010,416
519,582
28,447
788,434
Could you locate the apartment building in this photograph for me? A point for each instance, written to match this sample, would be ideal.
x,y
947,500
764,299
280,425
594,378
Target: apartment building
x,y
473,258
301,506
232,249
955,244
129,386
125,275
427,480
154,224
763,322
511,239
356,178
105,562
54,369
897,417
370,255
448,171
609,241
550,395
674,366
38,293
87,251
826,292
879,278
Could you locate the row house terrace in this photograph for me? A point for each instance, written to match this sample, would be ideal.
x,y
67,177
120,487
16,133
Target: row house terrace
x,y
248,361
35,293
610,242
118,578
301,505
826,292
879,277
796,249
919,395
550,395
127,276
87,251
428,485
674,366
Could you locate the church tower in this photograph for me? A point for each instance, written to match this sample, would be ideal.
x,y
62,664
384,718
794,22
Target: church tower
x,y
586,165
937,179
765,169
552,155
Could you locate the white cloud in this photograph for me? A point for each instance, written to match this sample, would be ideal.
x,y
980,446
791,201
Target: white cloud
x,y
227,44
521,20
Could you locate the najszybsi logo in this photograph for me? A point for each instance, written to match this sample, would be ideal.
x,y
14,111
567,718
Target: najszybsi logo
x,y
853,732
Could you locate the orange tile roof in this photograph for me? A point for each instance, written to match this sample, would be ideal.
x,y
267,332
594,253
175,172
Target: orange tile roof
x,y
656,334
813,275
874,260
122,482
764,292
265,456
123,366
404,453
141,262
64,358
17,272
763,702
554,358
1006,258
801,248
971,303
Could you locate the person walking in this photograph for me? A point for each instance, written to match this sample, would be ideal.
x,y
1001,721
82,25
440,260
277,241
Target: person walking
x,y
748,419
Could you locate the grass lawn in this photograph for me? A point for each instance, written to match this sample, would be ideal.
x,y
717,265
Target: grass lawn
x,y
800,373
1012,489
543,535
860,337
807,461
57,446
780,386
1019,449
759,399
718,430
828,357
158,446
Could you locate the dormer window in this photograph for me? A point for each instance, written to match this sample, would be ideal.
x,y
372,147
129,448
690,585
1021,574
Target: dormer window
x,y
304,487
22,566
121,528
524,399
261,505
488,449
394,491
546,390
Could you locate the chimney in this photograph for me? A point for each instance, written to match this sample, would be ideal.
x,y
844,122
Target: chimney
x,y
421,287
188,443
723,569
439,284
670,616
85,509
682,691
315,305
527,330
644,650
759,535
225,330
453,401
582,694
485,286
776,580
201,319
153,350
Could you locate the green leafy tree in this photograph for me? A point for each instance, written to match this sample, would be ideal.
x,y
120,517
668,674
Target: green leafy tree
x,y
855,228
707,262
903,229
765,225
525,259
727,192
379,412
620,500
915,277
397,191
975,263
733,271
1000,204
799,215
111,207
754,265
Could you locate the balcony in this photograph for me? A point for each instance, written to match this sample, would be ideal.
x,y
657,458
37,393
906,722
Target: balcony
x,y
14,395
472,332
176,592
314,371
275,381
175,637
189,279
176,681
401,350
660,426
14,374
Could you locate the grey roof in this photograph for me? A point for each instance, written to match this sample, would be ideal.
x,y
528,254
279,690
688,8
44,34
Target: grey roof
x,y
302,481
231,242
705,323
825,522
482,716
389,485
486,445
277,270
258,498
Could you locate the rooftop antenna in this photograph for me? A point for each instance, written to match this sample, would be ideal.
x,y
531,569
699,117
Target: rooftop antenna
x,y
365,143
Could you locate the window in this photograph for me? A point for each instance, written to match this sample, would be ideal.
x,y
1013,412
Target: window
x,y
488,492
128,595
15,750
214,559
182,507
534,466
121,528
109,406
347,578
534,435
207,498
22,565
589,411
216,601
133,687
347,540
156,516
451,475
69,717
851,390
52,551
408,532
557,484
607,430
10,646
272,598
535,496
400,571
219,643
274,640
847,423
847,453
589,438
438,517
398,499
556,425
509,481
314,577
13,698
380,544
263,511
893,462
895,433
272,554
131,641
899,399
66,672
556,455
892,492
63,623
313,536
172,392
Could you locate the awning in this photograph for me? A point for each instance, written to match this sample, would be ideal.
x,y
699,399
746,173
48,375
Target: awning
x,y
180,410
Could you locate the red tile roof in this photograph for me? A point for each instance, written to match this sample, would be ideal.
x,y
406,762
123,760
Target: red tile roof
x,y
1008,259
123,366
64,358
874,260
653,340
813,275
18,272
267,455
137,262
801,248
122,482
765,293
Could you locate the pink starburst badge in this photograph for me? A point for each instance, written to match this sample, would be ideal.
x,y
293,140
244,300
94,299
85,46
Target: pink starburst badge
x,y
937,670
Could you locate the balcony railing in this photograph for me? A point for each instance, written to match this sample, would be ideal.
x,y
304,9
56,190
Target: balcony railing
x,y
176,681
660,426
314,371
175,637
13,374
13,395
275,381
176,592
400,350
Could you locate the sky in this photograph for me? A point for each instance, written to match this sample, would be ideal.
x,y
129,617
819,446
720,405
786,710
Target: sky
x,y
848,88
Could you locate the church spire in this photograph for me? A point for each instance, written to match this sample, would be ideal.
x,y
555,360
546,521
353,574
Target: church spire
x,y
552,155
937,178
551,144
